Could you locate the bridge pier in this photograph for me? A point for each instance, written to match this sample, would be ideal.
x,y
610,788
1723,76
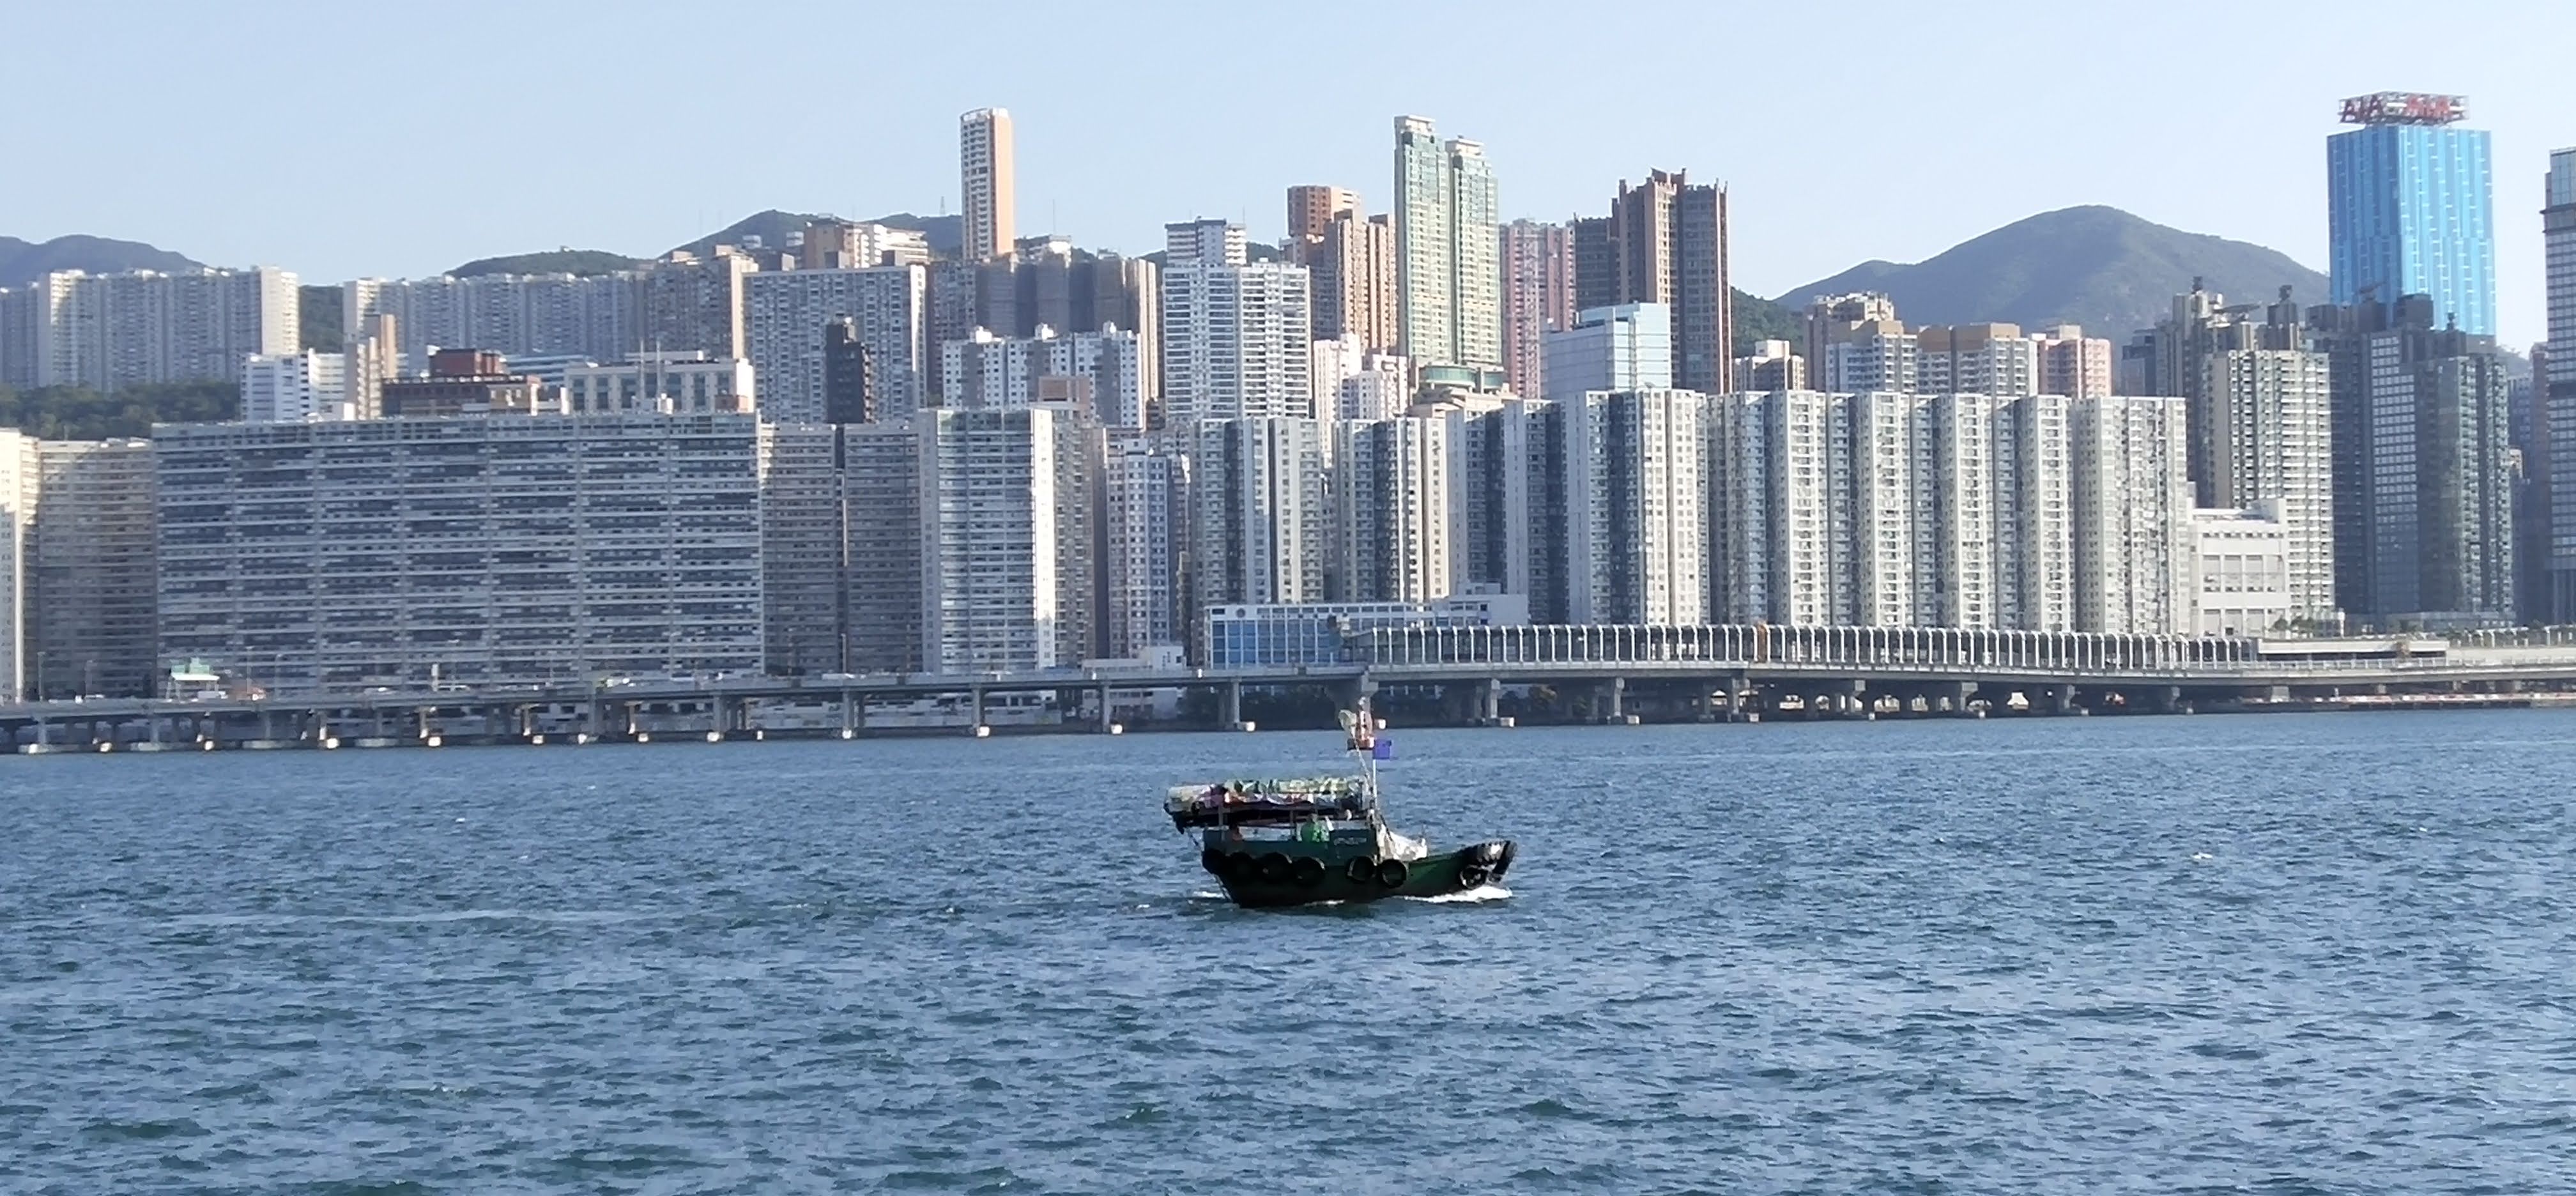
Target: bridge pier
x,y
1490,708
1614,700
1230,705
1349,694
1108,717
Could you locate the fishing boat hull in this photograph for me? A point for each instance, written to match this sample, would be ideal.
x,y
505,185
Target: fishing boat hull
x,y
1271,875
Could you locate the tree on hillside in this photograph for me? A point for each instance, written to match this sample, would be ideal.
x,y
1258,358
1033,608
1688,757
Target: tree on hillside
x,y
79,413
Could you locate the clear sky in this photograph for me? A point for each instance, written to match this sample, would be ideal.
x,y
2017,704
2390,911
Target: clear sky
x,y
339,139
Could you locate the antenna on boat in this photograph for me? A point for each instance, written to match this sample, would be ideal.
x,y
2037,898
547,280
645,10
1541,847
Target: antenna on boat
x,y
1361,726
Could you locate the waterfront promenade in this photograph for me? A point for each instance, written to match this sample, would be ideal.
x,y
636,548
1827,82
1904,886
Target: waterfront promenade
x,y
1455,676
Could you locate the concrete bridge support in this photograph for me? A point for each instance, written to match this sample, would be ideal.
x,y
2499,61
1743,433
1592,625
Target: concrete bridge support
x,y
1489,706
1950,698
1230,705
1614,700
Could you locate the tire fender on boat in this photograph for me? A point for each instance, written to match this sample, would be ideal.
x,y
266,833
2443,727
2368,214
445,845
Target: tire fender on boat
x,y
1391,874
1361,870
1213,860
1273,867
1307,871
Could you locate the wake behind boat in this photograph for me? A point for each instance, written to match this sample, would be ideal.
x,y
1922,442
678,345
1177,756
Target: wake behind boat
x,y
1297,841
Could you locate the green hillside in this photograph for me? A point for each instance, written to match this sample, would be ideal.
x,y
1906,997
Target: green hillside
x,y
584,262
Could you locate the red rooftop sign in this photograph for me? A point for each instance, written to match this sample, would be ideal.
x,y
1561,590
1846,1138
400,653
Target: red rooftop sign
x,y
2404,108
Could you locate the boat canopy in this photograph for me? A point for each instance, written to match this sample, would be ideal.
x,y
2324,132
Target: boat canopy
x,y
1231,801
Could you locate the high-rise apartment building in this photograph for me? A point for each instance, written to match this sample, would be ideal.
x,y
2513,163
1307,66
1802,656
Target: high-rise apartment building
x,y
1144,520
2135,550
831,243
76,568
2555,421
1238,339
985,183
2425,467
1855,344
804,550
1352,267
1006,539
1623,348
787,313
881,486
1665,241
1447,274
1508,477
512,550
2270,438
1100,373
1891,509
2260,424
1205,242
1312,208
1260,512
512,314
688,304
1353,382
1635,489
849,378
112,331
1981,359
1397,510
299,386
1773,365
2073,364
668,383
2410,209
21,473
1538,298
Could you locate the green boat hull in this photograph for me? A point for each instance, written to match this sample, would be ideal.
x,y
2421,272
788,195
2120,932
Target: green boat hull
x,y
1270,875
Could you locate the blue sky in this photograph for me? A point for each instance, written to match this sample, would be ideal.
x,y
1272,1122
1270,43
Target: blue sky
x,y
342,139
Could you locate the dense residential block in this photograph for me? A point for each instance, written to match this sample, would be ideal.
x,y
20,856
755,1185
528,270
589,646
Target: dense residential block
x,y
76,568
1398,515
788,311
1447,273
108,332
1238,339
1665,241
504,550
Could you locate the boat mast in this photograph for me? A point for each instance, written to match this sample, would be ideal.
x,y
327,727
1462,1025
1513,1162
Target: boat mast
x,y
1362,726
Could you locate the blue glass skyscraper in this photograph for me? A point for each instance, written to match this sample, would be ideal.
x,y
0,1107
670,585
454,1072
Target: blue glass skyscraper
x,y
2411,209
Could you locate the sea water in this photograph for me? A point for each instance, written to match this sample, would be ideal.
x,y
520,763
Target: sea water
x,y
2282,954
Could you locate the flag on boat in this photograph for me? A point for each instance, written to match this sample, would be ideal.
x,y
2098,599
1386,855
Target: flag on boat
x,y
1382,749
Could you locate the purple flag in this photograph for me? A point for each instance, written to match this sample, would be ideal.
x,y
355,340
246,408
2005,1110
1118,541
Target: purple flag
x,y
1384,749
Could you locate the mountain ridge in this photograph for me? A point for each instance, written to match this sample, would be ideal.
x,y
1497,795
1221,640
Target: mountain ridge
x,y
23,262
2108,270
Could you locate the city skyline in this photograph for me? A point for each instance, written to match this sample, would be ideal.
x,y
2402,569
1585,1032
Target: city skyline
x,y
1096,165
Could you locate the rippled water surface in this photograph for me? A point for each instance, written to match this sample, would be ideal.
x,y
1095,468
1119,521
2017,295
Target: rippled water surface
x,y
2279,955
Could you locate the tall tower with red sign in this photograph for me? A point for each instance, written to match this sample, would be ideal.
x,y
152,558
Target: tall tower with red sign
x,y
2410,209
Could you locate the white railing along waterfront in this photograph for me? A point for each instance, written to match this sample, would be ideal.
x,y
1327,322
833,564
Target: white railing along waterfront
x,y
1766,647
